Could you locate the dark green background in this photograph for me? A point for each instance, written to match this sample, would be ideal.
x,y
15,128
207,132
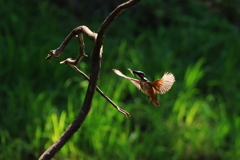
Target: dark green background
x,y
198,41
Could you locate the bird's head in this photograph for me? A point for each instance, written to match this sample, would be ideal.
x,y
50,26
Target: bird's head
x,y
139,74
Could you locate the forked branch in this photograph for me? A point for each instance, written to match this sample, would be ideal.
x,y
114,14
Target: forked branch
x,y
76,32
95,70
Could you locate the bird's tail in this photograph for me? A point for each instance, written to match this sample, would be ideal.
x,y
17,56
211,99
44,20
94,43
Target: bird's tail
x,y
155,103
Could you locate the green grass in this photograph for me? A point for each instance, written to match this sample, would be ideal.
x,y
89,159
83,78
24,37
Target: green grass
x,y
198,117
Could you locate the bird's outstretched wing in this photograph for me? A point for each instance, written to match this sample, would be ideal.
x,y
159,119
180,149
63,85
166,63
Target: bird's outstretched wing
x,y
164,84
134,81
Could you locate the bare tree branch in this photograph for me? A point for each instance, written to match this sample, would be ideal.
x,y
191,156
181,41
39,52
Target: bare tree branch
x,y
95,70
101,92
75,32
74,63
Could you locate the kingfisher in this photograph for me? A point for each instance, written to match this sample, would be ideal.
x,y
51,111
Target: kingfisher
x,y
151,89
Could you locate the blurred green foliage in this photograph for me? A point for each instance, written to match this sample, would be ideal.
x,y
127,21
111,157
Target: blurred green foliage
x,y
198,118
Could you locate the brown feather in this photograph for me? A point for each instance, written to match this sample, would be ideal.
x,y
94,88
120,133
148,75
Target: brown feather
x,y
155,103
164,84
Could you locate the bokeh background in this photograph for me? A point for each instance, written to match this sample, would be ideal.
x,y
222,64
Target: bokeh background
x,y
197,40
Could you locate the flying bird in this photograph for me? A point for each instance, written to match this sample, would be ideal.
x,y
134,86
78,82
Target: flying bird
x,y
151,89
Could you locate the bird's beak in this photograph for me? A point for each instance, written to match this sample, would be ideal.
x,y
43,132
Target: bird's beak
x,y
132,71
136,73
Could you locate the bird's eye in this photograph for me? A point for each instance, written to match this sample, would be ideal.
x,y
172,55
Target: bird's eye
x,y
143,74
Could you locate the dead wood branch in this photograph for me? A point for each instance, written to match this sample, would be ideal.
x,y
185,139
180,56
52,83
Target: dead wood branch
x,y
101,92
76,32
95,70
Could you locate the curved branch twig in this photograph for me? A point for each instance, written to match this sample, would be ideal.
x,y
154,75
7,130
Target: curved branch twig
x,y
101,92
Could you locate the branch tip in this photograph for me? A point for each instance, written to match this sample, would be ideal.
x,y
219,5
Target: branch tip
x,y
49,57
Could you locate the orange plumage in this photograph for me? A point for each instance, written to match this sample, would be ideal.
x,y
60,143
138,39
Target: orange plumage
x,y
151,89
